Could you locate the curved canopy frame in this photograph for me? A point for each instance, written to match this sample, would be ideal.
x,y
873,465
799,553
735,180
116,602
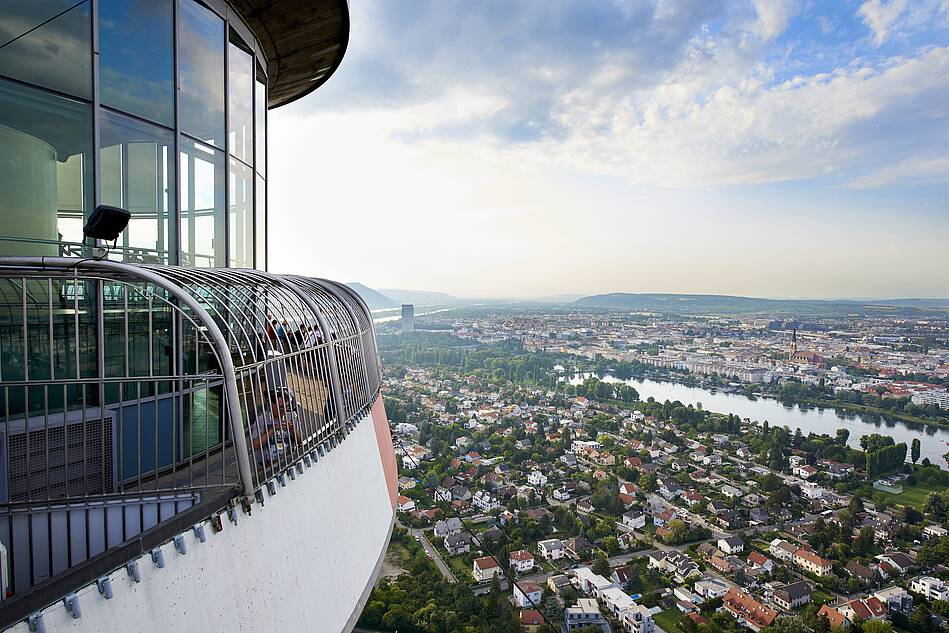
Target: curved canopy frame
x,y
305,343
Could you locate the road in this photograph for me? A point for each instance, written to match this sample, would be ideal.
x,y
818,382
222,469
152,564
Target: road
x,y
419,535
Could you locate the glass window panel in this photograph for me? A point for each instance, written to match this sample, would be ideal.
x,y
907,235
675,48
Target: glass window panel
x,y
260,224
240,103
260,125
201,73
136,65
45,171
137,174
56,55
201,171
240,220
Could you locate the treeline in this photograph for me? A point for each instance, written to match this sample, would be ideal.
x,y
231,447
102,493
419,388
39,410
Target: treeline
x,y
596,389
883,455
502,361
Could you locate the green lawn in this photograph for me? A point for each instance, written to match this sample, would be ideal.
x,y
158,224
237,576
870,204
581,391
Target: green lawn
x,y
914,496
668,620
461,568
820,597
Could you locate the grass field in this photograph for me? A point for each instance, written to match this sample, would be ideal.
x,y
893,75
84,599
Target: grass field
x,y
820,597
914,496
461,568
668,620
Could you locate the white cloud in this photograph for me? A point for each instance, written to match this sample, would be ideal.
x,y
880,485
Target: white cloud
x,y
773,17
879,16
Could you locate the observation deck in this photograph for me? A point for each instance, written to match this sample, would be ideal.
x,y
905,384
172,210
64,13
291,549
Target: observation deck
x,y
187,449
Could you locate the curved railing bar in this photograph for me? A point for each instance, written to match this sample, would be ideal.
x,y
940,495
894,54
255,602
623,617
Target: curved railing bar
x,y
324,327
227,363
367,313
352,314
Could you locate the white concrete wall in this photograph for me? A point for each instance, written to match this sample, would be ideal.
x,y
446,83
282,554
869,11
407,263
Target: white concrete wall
x,y
301,562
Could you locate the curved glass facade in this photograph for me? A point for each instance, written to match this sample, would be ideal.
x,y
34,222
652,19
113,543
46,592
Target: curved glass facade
x,y
167,121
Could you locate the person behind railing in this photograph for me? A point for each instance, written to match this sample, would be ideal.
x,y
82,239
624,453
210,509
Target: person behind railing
x,y
274,430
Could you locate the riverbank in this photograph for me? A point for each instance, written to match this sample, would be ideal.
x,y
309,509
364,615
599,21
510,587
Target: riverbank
x,y
862,408
813,416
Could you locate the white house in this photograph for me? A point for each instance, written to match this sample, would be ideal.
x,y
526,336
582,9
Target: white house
x,y
537,478
782,550
634,519
638,619
562,494
521,560
486,568
485,501
550,549
710,588
405,504
731,545
932,588
615,600
590,583
527,594
812,490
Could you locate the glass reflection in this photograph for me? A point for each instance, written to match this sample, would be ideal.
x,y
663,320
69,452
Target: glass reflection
x,y
240,218
45,174
240,100
137,174
201,73
56,55
201,232
136,61
260,224
260,124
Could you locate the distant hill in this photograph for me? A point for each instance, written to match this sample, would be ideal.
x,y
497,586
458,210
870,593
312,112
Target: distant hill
x,y
726,304
419,297
373,298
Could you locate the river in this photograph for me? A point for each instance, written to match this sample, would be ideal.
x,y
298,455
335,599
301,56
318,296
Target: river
x,y
934,441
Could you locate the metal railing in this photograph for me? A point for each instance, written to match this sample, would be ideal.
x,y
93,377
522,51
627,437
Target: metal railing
x,y
131,393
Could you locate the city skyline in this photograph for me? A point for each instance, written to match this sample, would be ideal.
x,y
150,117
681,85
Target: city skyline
x,y
765,149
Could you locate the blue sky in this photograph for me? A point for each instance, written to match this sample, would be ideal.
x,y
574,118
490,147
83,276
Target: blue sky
x,y
757,147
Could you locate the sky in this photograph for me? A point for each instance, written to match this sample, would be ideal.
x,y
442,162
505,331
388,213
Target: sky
x,y
494,149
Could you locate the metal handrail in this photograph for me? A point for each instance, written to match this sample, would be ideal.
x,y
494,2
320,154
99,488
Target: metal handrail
x,y
290,356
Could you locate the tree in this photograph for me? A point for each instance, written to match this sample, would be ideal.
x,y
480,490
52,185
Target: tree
x,y
915,450
876,626
863,544
602,567
611,544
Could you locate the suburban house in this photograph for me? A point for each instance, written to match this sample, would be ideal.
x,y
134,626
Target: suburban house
x,y
485,501
551,549
809,561
589,583
405,504
527,594
521,560
634,519
932,588
577,548
731,545
530,619
863,609
537,478
759,561
710,588
585,613
792,596
782,550
638,619
447,527
458,543
748,611
485,568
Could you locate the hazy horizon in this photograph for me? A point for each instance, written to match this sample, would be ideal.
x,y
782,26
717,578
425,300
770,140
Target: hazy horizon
x,y
759,148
